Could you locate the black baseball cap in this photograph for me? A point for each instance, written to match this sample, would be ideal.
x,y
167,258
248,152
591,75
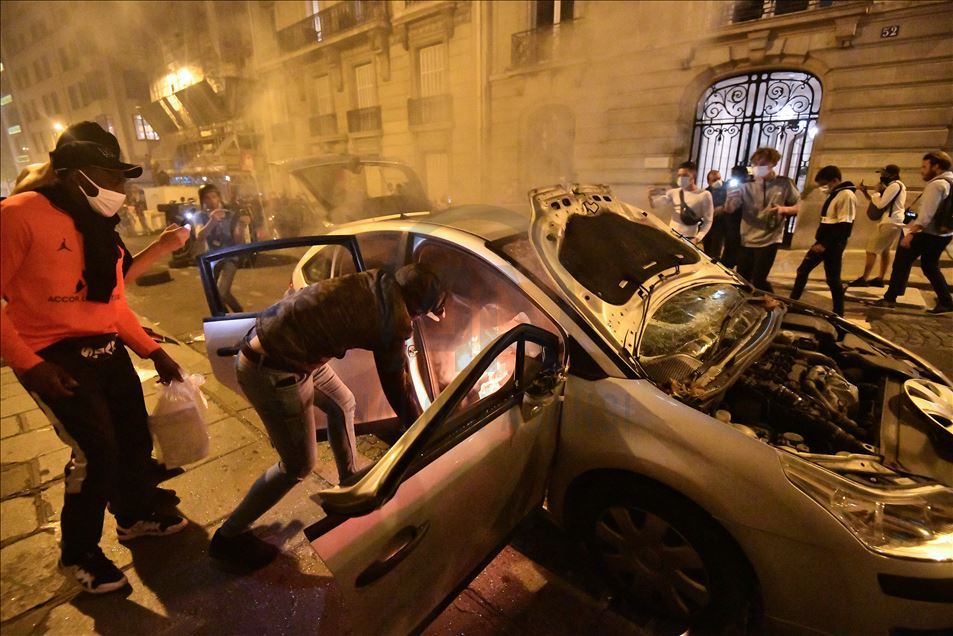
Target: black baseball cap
x,y
87,144
891,169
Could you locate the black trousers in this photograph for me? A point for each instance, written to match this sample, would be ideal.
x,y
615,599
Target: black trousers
x,y
928,248
832,257
714,241
732,251
105,425
755,263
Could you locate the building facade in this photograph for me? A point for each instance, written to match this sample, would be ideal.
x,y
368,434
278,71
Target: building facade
x,y
395,79
489,99
620,93
57,70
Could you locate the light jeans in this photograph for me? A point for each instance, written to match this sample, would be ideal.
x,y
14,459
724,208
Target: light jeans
x,y
284,402
225,271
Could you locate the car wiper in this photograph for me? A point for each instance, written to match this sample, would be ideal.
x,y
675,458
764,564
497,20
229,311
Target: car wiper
x,y
719,338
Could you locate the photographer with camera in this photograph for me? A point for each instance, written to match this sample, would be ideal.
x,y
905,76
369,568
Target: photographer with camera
x,y
216,226
765,204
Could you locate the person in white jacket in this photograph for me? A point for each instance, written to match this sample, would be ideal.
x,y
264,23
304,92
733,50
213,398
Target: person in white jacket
x,y
692,207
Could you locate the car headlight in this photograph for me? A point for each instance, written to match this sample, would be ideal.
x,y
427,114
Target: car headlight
x,y
908,522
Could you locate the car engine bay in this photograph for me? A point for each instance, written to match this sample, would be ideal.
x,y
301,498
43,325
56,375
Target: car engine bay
x,y
835,398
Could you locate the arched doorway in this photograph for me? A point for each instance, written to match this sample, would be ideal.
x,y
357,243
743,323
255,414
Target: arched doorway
x,y
738,114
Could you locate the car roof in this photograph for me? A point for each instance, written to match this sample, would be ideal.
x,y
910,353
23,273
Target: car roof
x,y
489,222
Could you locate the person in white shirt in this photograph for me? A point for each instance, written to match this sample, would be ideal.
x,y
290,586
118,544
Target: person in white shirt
x,y
924,238
692,207
837,220
892,202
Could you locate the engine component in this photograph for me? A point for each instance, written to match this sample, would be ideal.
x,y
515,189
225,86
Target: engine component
x,y
830,388
823,328
814,418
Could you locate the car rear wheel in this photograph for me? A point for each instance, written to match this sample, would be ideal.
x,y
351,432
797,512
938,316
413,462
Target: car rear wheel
x,y
666,556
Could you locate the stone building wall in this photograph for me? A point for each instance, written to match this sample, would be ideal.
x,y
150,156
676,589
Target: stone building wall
x,y
631,74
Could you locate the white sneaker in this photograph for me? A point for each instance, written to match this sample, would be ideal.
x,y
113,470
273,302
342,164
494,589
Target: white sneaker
x,y
95,573
155,525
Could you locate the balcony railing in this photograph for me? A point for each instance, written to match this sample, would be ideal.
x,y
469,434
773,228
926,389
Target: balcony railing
x,y
748,10
422,111
324,125
363,120
334,20
542,44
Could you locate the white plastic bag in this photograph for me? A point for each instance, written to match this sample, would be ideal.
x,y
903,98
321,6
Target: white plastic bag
x,y
177,422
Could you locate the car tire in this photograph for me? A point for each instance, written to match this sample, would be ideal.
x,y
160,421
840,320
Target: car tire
x,y
666,556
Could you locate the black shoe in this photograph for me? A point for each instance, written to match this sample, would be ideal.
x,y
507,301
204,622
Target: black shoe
x,y
941,309
859,282
165,497
159,473
155,525
883,302
875,282
95,573
245,551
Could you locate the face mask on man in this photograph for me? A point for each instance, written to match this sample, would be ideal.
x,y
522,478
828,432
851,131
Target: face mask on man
x,y
762,171
717,184
885,180
683,182
106,202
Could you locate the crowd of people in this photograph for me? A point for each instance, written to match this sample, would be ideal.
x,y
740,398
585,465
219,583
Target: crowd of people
x,y
742,224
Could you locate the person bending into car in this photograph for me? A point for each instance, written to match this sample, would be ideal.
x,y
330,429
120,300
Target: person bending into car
x,y
283,370
65,330
692,207
837,221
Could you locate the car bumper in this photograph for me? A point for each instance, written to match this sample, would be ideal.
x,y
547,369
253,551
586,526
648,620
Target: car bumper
x,y
846,589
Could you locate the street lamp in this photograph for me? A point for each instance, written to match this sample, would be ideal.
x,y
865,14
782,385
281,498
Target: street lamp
x,y
58,127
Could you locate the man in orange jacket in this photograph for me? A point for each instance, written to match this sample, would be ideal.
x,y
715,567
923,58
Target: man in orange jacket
x,y
64,328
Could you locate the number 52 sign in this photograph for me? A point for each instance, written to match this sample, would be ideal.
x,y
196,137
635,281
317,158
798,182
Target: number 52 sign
x,y
890,31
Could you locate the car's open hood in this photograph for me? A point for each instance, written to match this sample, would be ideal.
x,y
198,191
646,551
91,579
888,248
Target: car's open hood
x,y
605,255
351,188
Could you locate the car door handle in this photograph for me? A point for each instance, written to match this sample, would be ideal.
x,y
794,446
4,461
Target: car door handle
x,y
224,352
401,545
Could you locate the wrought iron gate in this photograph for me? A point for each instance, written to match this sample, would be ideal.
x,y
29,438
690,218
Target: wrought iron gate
x,y
739,114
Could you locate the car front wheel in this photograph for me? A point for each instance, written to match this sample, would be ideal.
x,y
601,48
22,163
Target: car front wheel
x,y
666,556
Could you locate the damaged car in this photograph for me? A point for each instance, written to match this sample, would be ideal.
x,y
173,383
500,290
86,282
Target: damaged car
x,y
728,458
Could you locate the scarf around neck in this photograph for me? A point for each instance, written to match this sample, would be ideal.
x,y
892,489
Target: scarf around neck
x,y
101,243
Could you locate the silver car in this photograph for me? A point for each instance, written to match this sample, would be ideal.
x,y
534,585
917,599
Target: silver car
x,y
728,458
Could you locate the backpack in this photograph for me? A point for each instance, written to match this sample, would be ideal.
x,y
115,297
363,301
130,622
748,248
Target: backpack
x,y
688,215
943,217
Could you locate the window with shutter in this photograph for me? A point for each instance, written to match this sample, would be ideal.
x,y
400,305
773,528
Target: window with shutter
x,y
325,97
365,82
432,67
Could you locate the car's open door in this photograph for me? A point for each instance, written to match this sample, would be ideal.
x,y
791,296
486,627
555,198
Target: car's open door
x,y
445,498
260,274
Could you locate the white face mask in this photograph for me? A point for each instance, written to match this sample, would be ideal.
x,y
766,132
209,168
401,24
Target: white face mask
x,y
762,171
107,203
717,184
683,182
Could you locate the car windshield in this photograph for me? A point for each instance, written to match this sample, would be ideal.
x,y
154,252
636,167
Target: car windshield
x,y
698,322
